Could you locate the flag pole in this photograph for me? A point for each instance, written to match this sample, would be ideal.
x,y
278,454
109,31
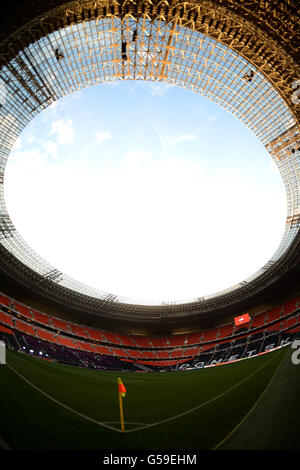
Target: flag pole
x,y
121,406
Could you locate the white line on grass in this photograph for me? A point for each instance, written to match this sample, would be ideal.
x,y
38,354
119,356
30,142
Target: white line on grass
x,y
251,409
202,404
144,426
63,405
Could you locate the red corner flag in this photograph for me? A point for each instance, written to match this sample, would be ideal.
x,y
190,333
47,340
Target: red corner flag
x,y
122,389
122,393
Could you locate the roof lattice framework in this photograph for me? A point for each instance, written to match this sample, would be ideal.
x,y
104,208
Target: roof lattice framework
x,y
220,49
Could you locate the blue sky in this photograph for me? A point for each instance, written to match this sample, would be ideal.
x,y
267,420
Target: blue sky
x,y
147,191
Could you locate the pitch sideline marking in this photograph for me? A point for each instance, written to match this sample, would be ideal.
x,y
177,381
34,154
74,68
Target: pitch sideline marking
x,y
202,404
251,409
146,426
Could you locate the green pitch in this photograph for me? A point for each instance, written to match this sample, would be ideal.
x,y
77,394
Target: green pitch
x,y
50,406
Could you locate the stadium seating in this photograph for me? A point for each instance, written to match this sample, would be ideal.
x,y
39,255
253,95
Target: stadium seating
x,y
3,329
162,354
78,331
226,330
94,334
58,324
25,311
141,342
65,341
274,314
218,344
158,342
6,319
291,305
178,340
4,300
41,318
258,320
25,327
125,340
210,335
44,334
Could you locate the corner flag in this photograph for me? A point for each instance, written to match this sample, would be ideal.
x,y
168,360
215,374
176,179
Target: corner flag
x,y
122,392
122,388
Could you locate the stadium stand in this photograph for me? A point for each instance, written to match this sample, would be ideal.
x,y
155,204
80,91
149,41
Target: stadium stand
x,y
23,325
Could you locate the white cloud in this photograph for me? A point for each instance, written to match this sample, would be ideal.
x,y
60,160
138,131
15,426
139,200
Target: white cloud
x,y
62,133
159,88
101,136
136,158
63,129
51,148
30,139
168,141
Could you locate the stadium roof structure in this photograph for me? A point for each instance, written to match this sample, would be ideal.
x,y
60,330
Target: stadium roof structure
x,y
243,55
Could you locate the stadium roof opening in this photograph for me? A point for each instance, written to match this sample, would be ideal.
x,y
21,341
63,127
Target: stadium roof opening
x,y
145,190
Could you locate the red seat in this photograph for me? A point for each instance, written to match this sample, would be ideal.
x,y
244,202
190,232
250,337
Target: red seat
x,y
176,352
290,322
59,324
158,342
273,314
194,338
163,354
162,363
141,341
258,320
4,300
23,310
110,337
209,335
6,319
177,340
290,306
6,330
41,318
94,334
120,352
125,340
46,335
191,352
148,354
65,341
22,326
276,327
226,330
78,330
102,349
87,346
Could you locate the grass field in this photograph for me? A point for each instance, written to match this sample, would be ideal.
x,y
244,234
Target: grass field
x,y
49,406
